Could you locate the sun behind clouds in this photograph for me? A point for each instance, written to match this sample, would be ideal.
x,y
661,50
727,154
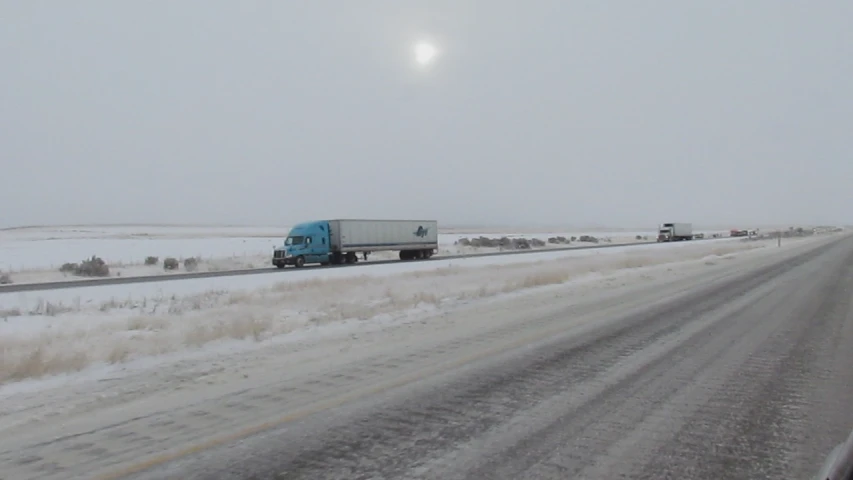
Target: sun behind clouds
x,y
425,53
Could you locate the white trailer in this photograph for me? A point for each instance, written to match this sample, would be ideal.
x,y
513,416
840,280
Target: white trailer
x,y
414,239
675,232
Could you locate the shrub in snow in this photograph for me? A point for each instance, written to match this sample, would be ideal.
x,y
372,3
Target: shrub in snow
x,y
483,242
151,260
68,267
588,239
507,243
191,264
171,263
5,279
639,237
93,267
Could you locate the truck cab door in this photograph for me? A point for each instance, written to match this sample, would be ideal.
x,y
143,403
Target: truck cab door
x,y
310,250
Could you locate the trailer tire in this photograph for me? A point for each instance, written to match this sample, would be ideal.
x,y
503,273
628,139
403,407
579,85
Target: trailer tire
x,y
351,257
299,262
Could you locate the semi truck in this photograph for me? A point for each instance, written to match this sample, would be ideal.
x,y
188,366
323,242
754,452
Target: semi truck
x,y
675,232
337,242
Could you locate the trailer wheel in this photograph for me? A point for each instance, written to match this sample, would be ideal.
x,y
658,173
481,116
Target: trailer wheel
x,y
351,257
299,262
404,255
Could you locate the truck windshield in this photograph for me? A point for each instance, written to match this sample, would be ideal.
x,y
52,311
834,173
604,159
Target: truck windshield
x,y
295,240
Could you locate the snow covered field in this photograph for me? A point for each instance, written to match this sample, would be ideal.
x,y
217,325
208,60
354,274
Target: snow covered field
x,y
34,254
29,249
125,326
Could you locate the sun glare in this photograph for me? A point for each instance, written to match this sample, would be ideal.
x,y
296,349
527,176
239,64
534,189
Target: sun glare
x,y
424,53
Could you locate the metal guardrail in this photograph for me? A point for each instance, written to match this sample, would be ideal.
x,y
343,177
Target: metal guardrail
x,y
97,282
839,463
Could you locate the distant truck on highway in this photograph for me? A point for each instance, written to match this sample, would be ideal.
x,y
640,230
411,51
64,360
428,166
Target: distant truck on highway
x,y
675,232
336,242
743,233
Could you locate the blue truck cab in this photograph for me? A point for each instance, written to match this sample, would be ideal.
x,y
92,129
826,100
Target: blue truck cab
x,y
307,242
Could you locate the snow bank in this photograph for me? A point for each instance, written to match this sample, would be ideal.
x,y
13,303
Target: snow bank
x,y
47,338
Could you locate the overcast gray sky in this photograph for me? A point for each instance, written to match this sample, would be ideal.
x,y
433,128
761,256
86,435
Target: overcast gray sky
x,y
533,112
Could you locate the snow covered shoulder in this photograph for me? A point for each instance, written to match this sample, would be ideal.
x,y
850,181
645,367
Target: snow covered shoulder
x,y
43,338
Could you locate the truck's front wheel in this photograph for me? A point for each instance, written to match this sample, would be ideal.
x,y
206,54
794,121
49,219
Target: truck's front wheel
x,y
299,262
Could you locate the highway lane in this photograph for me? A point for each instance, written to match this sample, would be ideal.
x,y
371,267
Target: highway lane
x,y
736,370
94,282
744,376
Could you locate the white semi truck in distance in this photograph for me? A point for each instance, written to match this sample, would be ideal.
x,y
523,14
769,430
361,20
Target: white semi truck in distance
x,y
675,232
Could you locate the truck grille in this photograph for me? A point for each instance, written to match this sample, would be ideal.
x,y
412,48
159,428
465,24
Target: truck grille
x,y
278,254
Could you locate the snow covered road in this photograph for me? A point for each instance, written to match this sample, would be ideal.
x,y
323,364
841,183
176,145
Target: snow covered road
x,y
727,368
